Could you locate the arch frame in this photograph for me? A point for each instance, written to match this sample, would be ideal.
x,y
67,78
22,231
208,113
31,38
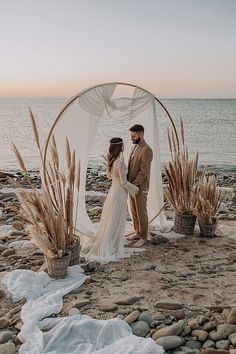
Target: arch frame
x,y
74,98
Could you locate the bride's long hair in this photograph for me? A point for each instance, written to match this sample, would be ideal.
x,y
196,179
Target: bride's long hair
x,y
116,147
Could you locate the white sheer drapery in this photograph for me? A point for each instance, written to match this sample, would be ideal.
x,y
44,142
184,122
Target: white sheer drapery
x,y
80,121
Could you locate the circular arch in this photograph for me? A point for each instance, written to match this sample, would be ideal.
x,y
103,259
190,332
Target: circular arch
x,y
90,88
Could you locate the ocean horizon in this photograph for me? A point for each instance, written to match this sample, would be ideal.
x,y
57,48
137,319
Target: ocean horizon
x,y
210,128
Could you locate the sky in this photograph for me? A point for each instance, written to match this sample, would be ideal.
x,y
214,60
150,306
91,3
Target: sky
x,y
174,48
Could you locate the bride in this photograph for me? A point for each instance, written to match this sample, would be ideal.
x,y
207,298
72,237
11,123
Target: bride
x,y
108,243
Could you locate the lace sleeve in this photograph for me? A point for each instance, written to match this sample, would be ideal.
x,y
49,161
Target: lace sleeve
x,y
131,188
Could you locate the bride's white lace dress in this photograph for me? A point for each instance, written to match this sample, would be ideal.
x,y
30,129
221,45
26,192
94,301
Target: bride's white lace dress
x,y
108,243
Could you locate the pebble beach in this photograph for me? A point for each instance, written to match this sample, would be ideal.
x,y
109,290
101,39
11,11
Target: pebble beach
x,y
180,291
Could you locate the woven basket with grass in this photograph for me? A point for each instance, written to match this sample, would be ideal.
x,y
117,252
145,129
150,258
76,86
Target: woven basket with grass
x,y
181,173
184,223
57,267
207,200
52,212
208,230
74,250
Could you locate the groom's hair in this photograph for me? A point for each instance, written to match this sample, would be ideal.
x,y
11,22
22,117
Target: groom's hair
x,y
137,128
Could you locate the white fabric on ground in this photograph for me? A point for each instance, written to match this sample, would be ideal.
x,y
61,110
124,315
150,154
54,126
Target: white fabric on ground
x,y
77,334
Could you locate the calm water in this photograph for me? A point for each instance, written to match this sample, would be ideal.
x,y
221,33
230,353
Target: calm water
x,y
210,126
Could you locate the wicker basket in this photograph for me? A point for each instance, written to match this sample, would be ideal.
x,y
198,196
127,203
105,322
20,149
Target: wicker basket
x,y
74,250
207,230
57,267
184,223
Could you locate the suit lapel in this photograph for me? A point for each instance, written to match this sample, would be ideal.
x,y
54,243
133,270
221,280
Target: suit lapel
x,y
132,155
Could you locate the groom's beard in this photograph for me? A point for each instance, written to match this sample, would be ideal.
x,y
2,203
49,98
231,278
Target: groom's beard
x,y
137,141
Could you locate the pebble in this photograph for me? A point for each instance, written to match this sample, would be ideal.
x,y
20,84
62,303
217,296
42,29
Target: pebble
x,y
140,328
127,300
4,323
169,305
231,319
186,350
132,317
169,342
5,336
172,330
209,326
18,225
73,311
108,307
193,344
2,248
222,344
81,303
186,331
2,293
232,338
179,314
158,239
7,348
148,266
209,344
145,316
223,331
214,351
193,323
200,334
8,252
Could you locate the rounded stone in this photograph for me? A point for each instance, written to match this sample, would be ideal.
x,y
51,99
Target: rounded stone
x,y
18,225
140,328
179,314
132,317
200,334
145,317
186,350
214,351
5,336
4,323
209,344
169,342
108,307
7,348
231,319
172,330
222,344
193,344
8,252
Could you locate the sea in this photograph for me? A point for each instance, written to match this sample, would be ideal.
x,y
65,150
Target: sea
x,y
210,129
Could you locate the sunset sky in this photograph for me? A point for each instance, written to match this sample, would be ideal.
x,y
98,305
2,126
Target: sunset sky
x,y
174,48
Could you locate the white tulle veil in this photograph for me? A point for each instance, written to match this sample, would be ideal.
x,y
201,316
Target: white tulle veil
x,y
80,121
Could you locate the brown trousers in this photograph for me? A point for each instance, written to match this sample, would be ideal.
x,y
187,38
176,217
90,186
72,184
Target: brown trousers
x,y
138,206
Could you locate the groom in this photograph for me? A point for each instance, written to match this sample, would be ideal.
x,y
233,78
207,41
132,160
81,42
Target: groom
x,y
139,174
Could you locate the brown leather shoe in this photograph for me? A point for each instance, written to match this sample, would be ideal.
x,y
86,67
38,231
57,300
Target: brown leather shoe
x,y
140,243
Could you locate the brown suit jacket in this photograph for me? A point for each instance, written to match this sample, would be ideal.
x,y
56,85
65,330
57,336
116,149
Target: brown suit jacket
x,y
140,165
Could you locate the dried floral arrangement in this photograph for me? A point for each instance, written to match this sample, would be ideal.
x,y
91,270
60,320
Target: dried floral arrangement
x,y
52,211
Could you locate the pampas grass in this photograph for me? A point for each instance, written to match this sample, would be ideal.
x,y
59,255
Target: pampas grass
x,y
207,199
180,172
50,211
